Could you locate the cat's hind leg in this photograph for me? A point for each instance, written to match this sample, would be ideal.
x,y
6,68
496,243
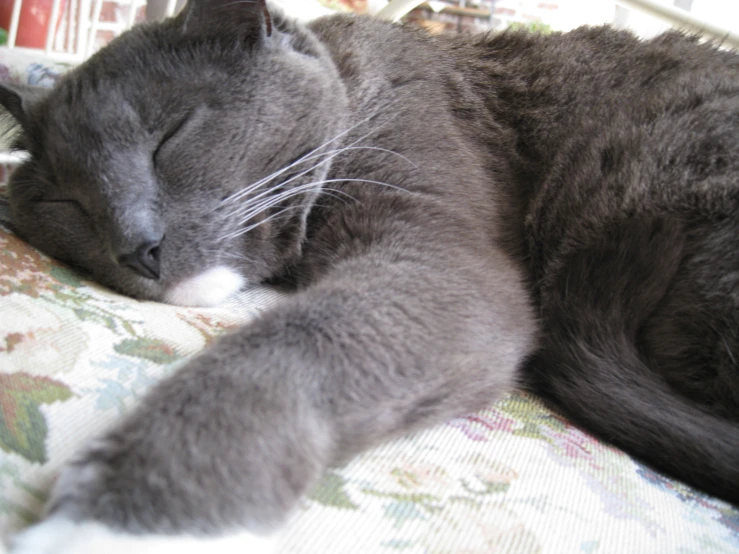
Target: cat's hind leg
x,y
692,337
621,314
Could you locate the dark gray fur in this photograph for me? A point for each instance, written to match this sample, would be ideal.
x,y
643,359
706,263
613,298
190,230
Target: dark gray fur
x,y
563,213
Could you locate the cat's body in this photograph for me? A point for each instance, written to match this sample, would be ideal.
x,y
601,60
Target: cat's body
x,y
458,215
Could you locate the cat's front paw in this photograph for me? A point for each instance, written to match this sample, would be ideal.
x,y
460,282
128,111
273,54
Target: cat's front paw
x,y
90,484
59,535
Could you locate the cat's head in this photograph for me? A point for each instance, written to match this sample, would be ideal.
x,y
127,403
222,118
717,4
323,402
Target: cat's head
x,y
180,161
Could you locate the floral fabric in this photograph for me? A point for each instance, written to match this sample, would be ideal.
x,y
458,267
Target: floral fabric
x,y
515,479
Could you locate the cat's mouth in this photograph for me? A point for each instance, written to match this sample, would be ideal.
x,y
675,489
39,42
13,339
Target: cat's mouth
x,y
207,289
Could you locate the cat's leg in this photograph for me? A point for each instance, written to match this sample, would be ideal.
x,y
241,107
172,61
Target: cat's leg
x,y
629,317
215,457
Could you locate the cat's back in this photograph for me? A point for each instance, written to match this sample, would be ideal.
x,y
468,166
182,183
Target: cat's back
x,y
599,66
550,87
611,127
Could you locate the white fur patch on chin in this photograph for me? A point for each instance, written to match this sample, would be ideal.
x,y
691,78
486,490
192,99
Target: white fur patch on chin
x,y
206,290
62,536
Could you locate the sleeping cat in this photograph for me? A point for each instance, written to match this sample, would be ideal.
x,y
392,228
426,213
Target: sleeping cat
x,y
457,216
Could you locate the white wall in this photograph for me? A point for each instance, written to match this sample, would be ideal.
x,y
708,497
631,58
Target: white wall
x,y
303,10
573,13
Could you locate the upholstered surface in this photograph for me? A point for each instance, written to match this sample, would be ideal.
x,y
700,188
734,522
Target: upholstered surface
x,y
515,478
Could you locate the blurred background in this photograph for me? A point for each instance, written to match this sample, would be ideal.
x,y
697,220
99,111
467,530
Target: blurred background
x,y
73,29
548,15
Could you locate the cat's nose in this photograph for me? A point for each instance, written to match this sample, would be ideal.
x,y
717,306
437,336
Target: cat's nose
x,y
144,259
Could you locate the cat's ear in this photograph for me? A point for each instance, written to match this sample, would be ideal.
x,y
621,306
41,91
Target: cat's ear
x,y
16,100
246,18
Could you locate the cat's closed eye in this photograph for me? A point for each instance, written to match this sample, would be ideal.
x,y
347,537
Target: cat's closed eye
x,y
61,203
169,135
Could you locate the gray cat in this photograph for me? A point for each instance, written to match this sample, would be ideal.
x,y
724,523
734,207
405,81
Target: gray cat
x,y
457,216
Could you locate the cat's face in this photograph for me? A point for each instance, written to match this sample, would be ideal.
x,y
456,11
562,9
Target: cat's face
x,y
149,162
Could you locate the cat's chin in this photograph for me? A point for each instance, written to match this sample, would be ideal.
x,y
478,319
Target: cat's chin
x,y
205,290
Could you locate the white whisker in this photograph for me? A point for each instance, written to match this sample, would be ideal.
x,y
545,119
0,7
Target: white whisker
x,y
368,181
303,189
387,151
240,232
232,255
314,154
307,187
240,194
251,205
274,200
267,192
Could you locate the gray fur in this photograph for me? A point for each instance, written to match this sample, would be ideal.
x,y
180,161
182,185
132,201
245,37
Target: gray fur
x,y
485,211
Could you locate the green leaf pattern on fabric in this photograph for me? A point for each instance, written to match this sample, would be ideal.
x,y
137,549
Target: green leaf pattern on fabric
x,y
23,427
148,349
330,492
